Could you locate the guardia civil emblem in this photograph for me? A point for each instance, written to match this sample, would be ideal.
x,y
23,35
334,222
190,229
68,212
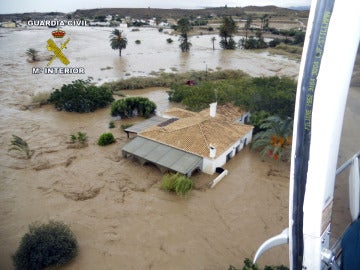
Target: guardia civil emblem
x,y
57,49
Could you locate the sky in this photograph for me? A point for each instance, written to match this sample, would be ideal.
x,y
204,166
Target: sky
x,y
22,6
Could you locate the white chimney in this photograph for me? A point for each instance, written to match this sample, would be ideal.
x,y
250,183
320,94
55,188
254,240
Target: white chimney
x,y
213,109
212,151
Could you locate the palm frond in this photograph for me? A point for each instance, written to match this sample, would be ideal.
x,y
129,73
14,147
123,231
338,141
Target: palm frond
x,y
18,144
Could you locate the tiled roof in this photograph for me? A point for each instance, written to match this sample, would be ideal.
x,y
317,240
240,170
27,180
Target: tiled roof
x,y
226,112
195,134
179,113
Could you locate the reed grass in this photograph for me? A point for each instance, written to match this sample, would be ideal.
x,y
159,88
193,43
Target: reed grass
x,y
163,79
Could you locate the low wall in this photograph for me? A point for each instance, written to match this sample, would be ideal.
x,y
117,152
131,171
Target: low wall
x,y
218,178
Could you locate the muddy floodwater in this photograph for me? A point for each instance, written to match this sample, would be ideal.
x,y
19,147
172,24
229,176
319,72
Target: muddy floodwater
x,y
115,207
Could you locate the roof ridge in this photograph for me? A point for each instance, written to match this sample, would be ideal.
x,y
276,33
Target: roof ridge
x,y
203,134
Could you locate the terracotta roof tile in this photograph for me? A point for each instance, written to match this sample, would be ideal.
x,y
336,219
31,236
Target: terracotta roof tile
x,y
195,134
179,113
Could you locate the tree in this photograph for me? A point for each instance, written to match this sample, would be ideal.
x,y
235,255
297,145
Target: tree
x,y
81,96
133,106
52,244
118,41
184,28
275,140
248,25
227,30
213,42
32,53
264,22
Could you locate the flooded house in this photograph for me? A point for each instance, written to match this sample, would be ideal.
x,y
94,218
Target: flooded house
x,y
187,141
8,24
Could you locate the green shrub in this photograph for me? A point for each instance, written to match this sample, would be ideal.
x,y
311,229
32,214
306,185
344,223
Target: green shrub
x,y
80,137
45,245
128,106
137,41
249,265
177,183
183,185
125,126
272,94
169,40
111,124
81,96
164,79
168,182
106,139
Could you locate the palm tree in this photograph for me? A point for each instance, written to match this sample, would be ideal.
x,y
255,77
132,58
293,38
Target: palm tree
x,y
275,140
264,22
117,40
227,30
213,42
248,26
32,53
184,28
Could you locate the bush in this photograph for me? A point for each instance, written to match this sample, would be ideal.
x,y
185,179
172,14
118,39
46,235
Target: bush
x,y
272,94
169,40
80,137
125,126
249,265
111,124
81,96
177,183
137,41
45,245
133,106
106,139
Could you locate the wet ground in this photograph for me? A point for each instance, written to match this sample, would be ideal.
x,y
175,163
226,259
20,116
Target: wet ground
x,y
115,207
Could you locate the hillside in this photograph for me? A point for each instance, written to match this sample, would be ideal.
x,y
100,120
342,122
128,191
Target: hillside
x,y
166,13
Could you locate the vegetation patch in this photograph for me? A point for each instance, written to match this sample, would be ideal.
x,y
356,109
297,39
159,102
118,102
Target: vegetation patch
x,y
275,138
20,145
111,124
163,79
248,265
45,245
274,95
78,140
81,96
33,54
133,106
177,183
289,51
106,139
125,126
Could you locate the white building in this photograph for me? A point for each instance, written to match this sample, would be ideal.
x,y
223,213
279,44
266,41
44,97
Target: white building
x,y
8,24
204,140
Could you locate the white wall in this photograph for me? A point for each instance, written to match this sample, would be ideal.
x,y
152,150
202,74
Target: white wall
x,y
209,165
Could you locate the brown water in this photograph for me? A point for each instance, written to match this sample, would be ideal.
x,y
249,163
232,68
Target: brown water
x,y
120,216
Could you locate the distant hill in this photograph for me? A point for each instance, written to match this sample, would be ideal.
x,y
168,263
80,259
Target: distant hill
x,y
165,13
179,13
300,8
